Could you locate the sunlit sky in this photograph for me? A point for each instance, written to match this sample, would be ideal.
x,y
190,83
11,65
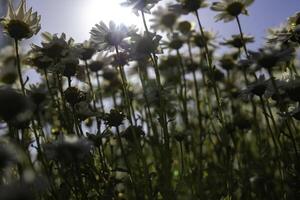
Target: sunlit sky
x,y
77,17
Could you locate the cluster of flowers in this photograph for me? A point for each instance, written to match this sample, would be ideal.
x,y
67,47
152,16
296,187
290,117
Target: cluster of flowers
x,y
130,115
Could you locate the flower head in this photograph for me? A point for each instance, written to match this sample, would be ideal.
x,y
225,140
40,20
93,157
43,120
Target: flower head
x,y
230,9
14,106
21,23
270,57
200,40
54,47
174,42
144,45
237,42
163,19
184,27
101,61
86,50
68,149
114,118
289,33
228,61
258,88
74,95
187,6
111,36
140,5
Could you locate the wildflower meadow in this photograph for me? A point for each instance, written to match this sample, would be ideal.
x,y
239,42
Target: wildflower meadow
x,y
150,113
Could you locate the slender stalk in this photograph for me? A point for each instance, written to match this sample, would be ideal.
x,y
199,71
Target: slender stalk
x,y
211,70
19,67
182,158
184,98
242,36
125,91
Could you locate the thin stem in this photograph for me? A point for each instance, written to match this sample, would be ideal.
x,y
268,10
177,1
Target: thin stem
x,y
209,63
19,67
184,97
242,36
144,22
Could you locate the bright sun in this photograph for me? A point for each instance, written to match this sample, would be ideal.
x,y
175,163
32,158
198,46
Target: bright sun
x,y
96,10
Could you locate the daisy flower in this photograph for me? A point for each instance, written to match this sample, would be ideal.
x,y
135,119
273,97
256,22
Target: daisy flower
x,y
188,6
287,34
86,50
111,36
237,42
257,88
144,45
269,57
21,23
100,62
140,5
53,46
163,19
230,9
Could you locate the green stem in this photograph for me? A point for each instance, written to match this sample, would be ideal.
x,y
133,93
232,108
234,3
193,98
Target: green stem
x,y
19,67
211,70
184,97
242,36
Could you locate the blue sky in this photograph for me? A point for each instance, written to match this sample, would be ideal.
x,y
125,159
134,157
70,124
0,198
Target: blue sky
x,y
76,17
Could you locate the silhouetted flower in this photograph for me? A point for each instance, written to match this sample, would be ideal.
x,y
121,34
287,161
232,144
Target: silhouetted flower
x,y
163,19
290,32
86,50
74,95
39,60
112,36
13,105
174,42
120,59
109,74
140,5
269,57
38,94
53,46
114,118
180,136
200,40
294,20
292,88
187,6
22,23
143,46
256,88
101,61
237,42
184,27
133,133
68,65
228,61
68,149
84,110
230,9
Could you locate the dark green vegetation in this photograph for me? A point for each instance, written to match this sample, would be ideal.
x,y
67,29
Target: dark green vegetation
x,y
131,115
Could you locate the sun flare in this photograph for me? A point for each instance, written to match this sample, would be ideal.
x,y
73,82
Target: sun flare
x,y
95,11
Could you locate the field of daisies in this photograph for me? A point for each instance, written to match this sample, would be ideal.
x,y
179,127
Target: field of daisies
x,y
152,113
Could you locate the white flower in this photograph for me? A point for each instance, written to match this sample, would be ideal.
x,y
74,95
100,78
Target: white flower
x,y
21,23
